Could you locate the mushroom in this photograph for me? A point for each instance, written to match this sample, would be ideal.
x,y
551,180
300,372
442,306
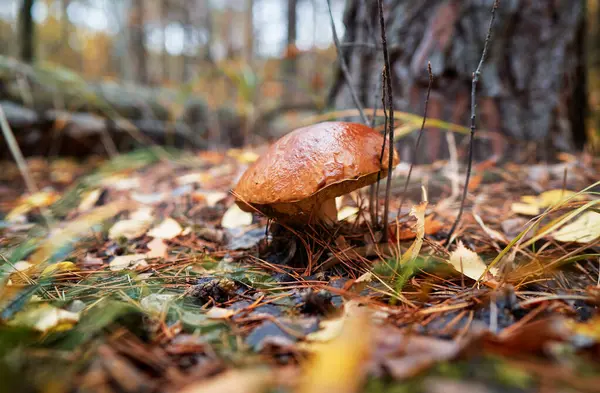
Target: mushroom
x,y
298,178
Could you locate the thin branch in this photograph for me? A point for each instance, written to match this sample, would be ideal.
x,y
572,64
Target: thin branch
x,y
390,102
418,142
474,81
344,67
385,133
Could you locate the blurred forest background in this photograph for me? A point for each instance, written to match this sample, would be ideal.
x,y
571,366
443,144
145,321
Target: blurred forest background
x,y
103,75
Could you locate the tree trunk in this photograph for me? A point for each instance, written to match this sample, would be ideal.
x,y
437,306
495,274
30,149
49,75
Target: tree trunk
x,y
249,27
138,42
532,86
290,66
164,55
27,31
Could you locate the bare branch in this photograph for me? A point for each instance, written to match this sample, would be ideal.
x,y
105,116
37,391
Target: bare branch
x,y
390,102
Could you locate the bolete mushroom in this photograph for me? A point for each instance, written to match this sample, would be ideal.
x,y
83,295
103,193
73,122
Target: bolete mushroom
x,y
298,178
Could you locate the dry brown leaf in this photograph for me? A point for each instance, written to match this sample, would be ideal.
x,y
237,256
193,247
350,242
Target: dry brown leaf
x,y
238,381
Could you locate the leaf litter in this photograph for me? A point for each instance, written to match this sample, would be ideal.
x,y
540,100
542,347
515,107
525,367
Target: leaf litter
x,y
150,269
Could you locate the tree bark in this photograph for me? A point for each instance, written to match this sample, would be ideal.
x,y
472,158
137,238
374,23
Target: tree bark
x,y
27,31
532,86
138,41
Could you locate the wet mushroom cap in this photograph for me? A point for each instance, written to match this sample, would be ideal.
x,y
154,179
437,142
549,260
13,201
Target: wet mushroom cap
x,y
311,165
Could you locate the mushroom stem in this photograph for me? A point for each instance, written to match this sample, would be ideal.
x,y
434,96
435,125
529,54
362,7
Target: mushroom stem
x,y
326,213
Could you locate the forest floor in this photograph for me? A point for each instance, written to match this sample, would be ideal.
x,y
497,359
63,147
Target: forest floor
x,y
150,279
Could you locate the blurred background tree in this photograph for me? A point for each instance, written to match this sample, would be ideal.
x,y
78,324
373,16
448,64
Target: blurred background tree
x,y
231,72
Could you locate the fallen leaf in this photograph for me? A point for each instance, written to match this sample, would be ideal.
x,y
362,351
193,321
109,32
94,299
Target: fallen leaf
x,y
532,205
133,227
157,303
211,198
89,200
168,229
193,178
59,267
44,318
417,354
243,156
525,209
76,229
235,217
468,262
584,229
347,213
123,262
149,199
338,365
418,212
158,248
432,226
239,381
26,204
220,313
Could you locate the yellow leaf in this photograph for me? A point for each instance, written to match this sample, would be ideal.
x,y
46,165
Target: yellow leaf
x,y
468,262
338,365
89,200
532,205
243,156
525,209
26,204
585,229
235,217
75,229
44,318
418,212
57,268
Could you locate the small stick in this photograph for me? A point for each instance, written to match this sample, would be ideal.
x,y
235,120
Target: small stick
x,y
344,67
474,81
418,142
390,102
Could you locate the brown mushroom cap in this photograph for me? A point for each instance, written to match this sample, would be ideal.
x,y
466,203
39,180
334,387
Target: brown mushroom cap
x,y
311,165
